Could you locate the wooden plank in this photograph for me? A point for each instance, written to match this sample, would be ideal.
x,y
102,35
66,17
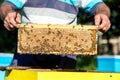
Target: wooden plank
x,y
32,68
14,67
57,39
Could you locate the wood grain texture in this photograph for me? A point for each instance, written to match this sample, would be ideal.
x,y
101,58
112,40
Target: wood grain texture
x,y
57,39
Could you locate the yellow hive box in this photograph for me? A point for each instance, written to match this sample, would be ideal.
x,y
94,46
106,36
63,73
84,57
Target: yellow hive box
x,y
62,75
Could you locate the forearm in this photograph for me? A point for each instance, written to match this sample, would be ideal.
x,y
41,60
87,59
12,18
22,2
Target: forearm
x,y
5,9
103,9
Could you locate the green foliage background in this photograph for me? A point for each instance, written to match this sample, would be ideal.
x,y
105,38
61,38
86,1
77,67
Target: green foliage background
x,y
8,39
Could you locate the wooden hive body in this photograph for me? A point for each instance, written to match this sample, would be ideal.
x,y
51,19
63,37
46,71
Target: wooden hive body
x,y
57,39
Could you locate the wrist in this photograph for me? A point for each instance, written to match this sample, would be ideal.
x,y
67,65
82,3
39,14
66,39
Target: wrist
x,y
5,9
103,9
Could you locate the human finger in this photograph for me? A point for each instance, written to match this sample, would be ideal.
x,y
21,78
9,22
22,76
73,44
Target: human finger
x,y
12,19
18,19
105,23
97,20
8,26
9,21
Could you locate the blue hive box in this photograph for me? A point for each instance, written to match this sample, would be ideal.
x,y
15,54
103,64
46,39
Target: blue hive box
x,y
5,60
108,63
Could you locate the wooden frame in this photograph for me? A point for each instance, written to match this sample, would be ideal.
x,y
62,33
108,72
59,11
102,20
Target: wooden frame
x,y
57,39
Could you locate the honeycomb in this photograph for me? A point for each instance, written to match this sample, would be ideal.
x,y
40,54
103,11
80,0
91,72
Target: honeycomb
x,y
57,39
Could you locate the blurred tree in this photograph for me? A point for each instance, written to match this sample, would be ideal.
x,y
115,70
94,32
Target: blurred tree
x,y
115,26
8,39
115,18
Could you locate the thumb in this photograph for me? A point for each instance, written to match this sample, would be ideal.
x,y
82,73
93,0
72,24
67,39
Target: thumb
x,y
97,20
18,18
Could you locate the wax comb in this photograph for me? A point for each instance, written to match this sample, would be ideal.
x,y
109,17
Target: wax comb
x,y
57,39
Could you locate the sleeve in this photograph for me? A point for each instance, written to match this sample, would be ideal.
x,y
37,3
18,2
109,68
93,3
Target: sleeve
x,y
17,4
90,6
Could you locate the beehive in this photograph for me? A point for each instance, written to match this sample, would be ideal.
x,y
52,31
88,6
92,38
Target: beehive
x,y
59,75
57,39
